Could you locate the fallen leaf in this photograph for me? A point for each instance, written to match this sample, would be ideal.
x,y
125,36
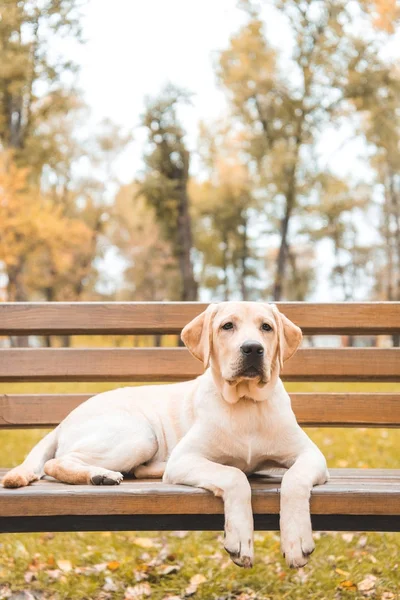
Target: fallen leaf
x,y
113,565
367,584
100,567
348,537
142,590
373,559
20,551
387,596
144,542
341,572
282,575
195,581
181,535
145,556
29,576
84,570
167,569
171,598
54,573
249,595
302,575
64,565
109,585
5,592
51,561
348,585
362,542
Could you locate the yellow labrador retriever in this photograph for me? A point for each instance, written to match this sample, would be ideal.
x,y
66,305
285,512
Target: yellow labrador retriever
x,y
233,420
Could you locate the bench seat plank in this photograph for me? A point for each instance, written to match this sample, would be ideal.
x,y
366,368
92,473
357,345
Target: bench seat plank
x,y
349,492
312,409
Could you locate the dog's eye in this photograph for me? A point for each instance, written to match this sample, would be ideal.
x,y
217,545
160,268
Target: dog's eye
x,y
227,326
266,327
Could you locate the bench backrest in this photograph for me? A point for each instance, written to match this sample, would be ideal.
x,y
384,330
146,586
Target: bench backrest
x,y
310,364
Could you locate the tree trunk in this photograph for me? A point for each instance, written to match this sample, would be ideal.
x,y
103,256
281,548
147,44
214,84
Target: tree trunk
x,y
284,246
395,205
243,261
185,244
225,266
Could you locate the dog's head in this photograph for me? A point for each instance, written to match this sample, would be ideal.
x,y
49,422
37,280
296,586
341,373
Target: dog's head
x,y
243,341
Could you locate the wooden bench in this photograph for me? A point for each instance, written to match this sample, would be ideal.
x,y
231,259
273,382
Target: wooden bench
x,y
354,499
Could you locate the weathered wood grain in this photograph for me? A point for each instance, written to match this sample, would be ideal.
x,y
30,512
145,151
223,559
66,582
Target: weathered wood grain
x,y
360,492
175,364
93,318
311,409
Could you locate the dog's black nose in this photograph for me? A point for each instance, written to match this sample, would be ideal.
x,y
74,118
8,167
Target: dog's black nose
x,y
251,348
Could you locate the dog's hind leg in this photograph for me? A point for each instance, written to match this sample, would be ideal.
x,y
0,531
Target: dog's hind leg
x,y
32,467
102,461
73,469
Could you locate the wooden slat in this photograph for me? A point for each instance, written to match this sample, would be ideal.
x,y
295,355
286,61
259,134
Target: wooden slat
x,y
174,364
357,495
145,318
311,409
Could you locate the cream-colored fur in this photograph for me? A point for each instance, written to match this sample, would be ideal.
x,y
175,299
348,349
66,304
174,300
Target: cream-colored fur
x,y
211,432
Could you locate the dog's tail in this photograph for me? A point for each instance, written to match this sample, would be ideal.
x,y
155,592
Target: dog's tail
x,y
32,467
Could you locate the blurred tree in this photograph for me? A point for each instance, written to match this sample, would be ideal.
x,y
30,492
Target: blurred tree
x,y
39,245
223,204
40,248
35,83
381,125
333,214
165,184
387,14
150,272
284,101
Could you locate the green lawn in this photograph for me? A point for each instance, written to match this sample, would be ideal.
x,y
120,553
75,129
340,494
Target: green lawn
x,y
133,565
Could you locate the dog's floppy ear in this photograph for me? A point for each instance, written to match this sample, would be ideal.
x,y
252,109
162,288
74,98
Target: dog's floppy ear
x,y
197,335
289,336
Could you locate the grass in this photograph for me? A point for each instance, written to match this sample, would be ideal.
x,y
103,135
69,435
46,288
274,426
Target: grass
x,y
105,565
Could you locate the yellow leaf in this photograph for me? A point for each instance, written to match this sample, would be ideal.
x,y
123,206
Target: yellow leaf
x,y
341,572
195,581
113,565
348,585
64,565
367,584
144,542
142,590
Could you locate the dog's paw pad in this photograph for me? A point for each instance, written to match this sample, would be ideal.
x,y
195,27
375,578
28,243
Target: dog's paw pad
x,y
106,480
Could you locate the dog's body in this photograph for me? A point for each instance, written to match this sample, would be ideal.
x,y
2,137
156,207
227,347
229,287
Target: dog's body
x,y
233,420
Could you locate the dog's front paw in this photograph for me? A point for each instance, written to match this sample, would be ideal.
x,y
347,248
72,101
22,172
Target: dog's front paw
x,y
239,547
296,540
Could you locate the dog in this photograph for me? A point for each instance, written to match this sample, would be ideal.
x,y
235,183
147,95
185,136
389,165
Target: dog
x,y
210,432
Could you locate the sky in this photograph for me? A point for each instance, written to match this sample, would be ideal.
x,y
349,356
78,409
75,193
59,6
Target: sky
x,y
134,47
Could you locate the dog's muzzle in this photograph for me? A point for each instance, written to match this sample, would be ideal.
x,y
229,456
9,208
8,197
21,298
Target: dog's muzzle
x,y
252,360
